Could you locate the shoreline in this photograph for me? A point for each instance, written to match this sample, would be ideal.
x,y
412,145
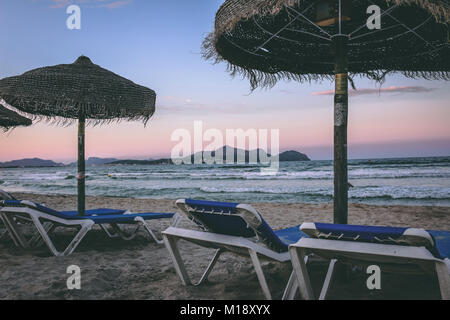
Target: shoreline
x,y
427,217
410,204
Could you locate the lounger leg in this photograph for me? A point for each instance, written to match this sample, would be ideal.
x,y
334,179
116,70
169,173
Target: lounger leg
x,y
260,274
3,232
73,244
292,285
298,263
9,231
79,236
144,223
125,235
444,279
171,245
210,267
45,236
36,240
15,234
108,233
328,280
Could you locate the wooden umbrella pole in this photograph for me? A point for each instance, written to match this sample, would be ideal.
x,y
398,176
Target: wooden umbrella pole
x,y
340,130
81,165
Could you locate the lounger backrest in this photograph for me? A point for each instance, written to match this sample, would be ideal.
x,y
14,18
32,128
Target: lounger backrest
x,y
373,234
6,196
217,217
33,205
61,214
232,219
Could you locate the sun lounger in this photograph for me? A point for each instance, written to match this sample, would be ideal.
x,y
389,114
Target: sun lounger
x,y
230,227
402,249
14,202
46,220
4,196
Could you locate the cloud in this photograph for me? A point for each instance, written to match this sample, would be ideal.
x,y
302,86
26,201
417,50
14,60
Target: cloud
x,y
391,89
115,4
110,4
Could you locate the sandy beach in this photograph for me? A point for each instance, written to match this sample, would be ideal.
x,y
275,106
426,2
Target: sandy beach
x,y
140,269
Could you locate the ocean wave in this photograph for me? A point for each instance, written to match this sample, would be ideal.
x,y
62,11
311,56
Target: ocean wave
x,y
403,161
357,193
417,181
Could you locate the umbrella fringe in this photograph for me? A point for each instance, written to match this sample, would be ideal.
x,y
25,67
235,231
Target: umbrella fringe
x,y
266,80
10,118
66,122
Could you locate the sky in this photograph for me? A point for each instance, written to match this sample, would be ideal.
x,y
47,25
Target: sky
x,y
157,44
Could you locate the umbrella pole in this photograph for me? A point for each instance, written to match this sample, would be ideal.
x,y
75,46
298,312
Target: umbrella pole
x,y
340,131
81,165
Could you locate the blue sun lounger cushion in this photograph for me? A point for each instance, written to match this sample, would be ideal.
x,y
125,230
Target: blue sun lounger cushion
x,y
38,214
240,220
61,214
99,216
437,242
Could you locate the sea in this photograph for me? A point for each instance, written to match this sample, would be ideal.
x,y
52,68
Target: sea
x,y
399,181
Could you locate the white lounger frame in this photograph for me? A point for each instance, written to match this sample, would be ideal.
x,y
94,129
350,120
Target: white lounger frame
x,y
222,243
52,222
3,229
361,253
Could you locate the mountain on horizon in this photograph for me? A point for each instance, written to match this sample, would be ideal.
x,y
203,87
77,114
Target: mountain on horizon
x,y
31,162
95,161
259,155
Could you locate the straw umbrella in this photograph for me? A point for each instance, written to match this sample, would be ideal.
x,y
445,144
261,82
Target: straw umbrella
x,y
304,40
10,119
83,92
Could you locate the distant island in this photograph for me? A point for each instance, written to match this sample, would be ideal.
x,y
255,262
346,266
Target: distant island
x,y
248,155
95,161
30,163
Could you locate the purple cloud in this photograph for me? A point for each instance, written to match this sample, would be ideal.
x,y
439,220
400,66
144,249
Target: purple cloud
x,y
391,89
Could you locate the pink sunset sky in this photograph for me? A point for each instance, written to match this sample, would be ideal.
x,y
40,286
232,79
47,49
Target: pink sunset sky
x,y
158,46
381,124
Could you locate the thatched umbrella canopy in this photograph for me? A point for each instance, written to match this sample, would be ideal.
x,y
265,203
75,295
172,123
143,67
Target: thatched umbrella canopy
x,y
304,40
10,119
270,40
79,91
67,90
